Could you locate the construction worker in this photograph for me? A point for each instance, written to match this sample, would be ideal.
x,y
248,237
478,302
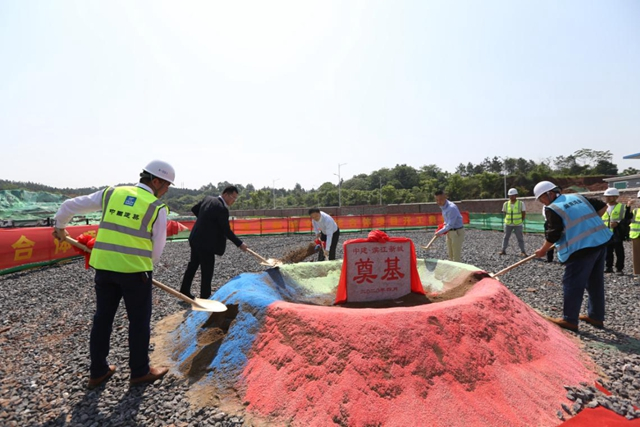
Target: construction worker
x,y
514,213
573,225
634,235
453,226
131,237
616,220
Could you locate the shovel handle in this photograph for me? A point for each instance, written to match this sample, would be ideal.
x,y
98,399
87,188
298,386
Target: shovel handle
x,y
430,242
257,256
522,261
164,287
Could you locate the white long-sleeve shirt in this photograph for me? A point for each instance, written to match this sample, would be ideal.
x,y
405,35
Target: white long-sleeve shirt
x,y
327,225
93,202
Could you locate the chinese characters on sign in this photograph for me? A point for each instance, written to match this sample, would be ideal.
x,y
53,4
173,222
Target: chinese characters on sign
x,y
378,271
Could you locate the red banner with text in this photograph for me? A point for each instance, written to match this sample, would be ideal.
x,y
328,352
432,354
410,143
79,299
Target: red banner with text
x,y
35,245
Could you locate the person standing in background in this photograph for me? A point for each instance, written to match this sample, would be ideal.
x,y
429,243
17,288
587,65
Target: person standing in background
x,y
453,226
514,214
634,235
616,219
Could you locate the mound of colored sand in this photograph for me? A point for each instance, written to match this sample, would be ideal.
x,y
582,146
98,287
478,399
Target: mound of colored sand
x,y
484,358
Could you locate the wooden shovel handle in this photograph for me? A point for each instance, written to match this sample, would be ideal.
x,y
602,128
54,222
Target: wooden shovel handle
x,y
164,287
257,256
522,261
429,244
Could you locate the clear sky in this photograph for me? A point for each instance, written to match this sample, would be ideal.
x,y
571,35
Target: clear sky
x,y
282,92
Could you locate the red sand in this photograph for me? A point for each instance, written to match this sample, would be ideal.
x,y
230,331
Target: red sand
x,y
483,359
600,417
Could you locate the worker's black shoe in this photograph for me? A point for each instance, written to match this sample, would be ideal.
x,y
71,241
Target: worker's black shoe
x,y
620,273
609,270
596,323
502,253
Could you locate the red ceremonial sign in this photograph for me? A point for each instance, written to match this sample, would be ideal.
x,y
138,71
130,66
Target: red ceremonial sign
x,y
378,268
378,271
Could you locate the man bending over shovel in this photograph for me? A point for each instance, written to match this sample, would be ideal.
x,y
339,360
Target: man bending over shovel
x,y
131,237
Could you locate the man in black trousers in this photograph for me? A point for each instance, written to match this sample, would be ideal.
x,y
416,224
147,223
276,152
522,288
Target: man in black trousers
x,y
208,238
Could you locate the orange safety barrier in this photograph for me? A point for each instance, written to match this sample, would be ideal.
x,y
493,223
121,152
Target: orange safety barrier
x,y
35,245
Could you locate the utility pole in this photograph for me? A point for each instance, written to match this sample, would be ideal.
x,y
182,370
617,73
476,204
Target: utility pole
x,y
273,190
380,190
339,185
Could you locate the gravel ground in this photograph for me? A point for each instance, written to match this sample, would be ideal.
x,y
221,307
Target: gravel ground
x,y
46,315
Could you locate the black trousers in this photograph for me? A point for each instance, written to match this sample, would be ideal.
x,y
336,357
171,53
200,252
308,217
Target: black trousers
x,y
618,248
135,289
334,245
206,261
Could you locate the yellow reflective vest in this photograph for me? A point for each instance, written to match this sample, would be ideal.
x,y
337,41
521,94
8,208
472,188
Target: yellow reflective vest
x,y
634,229
617,215
123,243
512,212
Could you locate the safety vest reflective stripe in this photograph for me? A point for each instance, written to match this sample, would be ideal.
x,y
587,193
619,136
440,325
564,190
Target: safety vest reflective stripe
x,y
122,249
583,228
513,212
634,229
568,222
617,214
580,237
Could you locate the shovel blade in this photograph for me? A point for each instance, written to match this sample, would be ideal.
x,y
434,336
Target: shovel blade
x,y
209,305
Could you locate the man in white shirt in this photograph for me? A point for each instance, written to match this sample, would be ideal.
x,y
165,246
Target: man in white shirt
x,y
327,231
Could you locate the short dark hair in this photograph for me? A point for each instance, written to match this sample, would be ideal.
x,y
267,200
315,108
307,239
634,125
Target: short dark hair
x,y
314,210
230,189
438,193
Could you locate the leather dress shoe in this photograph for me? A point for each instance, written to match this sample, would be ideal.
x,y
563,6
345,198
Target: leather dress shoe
x,y
563,323
154,374
96,382
596,323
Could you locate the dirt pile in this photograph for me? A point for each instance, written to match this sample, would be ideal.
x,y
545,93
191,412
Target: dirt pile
x,y
299,254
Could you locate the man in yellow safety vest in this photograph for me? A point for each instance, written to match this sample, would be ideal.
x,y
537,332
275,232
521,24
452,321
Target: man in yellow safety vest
x,y
615,218
634,235
514,213
131,237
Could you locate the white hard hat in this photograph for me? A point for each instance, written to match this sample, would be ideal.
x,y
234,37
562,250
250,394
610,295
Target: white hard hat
x,y
542,187
513,192
162,170
611,192
638,194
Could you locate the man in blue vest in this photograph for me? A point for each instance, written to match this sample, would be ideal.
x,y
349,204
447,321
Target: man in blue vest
x,y
616,218
574,225
131,237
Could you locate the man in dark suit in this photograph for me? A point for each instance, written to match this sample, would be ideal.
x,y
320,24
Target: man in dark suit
x,y
209,238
